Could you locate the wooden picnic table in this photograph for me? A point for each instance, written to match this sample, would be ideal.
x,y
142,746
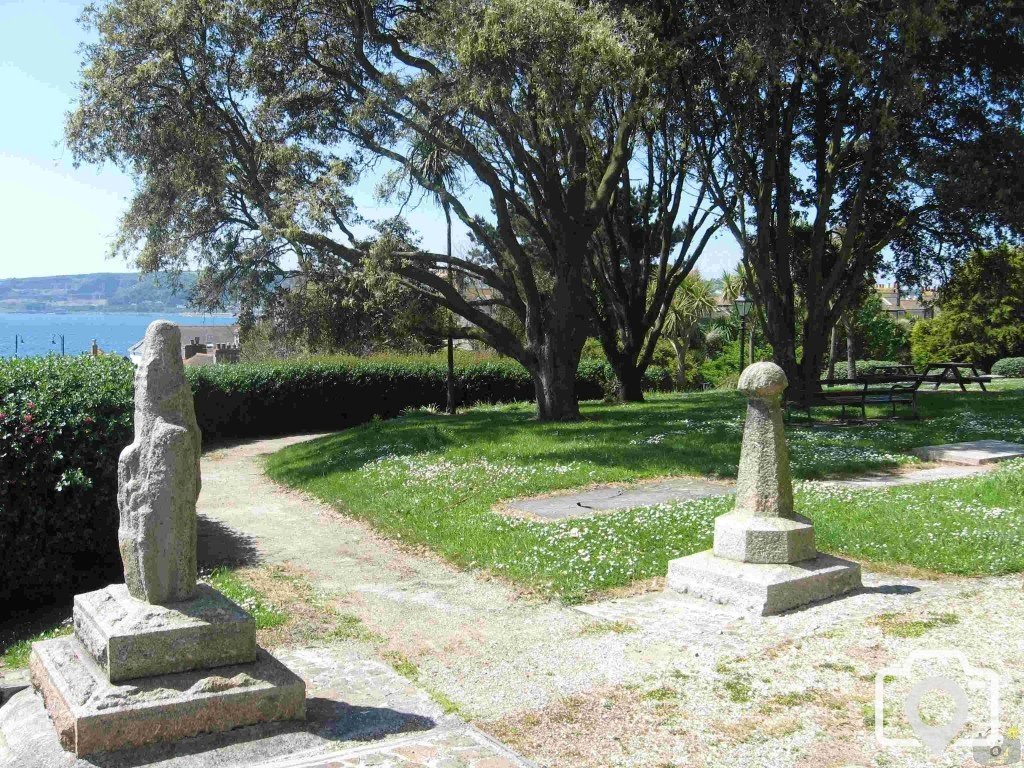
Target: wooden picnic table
x,y
950,373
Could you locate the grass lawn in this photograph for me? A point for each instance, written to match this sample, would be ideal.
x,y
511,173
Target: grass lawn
x,y
429,479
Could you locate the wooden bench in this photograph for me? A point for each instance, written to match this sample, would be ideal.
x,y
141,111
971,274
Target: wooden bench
x,y
860,393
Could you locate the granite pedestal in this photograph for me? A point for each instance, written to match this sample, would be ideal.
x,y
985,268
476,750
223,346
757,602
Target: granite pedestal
x,y
130,638
763,588
764,558
160,657
136,673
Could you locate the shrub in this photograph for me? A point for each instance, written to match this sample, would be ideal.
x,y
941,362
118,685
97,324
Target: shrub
x,y
63,423
1009,366
723,370
65,420
279,398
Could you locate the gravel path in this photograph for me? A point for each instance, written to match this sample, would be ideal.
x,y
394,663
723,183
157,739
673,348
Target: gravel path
x,y
650,680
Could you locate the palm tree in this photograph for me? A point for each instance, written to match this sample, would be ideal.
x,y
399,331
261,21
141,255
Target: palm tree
x,y
693,305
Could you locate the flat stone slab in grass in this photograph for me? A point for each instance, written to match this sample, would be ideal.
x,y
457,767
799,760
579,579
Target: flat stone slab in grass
x,y
911,477
971,453
130,638
359,713
611,498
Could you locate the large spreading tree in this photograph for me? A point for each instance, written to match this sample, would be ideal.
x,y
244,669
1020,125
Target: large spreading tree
x,y
245,124
843,135
657,226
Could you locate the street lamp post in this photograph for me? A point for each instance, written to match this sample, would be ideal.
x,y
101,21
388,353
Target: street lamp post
x,y
743,306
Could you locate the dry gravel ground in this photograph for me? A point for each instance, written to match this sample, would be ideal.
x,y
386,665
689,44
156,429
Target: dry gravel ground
x,y
653,679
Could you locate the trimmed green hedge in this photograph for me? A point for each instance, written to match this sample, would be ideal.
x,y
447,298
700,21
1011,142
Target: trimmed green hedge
x,y
862,366
63,423
281,398
65,420
1009,366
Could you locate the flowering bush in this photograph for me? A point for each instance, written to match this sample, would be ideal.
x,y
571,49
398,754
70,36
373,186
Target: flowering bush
x,y
63,422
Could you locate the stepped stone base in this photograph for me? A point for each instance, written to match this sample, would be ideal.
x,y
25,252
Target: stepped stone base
x,y
762,588
92,715
760,539
130,638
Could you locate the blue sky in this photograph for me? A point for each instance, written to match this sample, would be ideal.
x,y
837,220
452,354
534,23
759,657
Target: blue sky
x,y
57,219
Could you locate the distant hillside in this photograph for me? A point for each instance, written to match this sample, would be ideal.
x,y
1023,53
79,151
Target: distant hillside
x,y
102,292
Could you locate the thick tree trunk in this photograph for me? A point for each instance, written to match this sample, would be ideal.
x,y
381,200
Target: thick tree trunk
x,y
557,352
555,384
629,374
631,383
804,374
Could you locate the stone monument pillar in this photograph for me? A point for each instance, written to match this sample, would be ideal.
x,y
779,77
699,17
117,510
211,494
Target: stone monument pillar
x,y
764,557
160,657
158,476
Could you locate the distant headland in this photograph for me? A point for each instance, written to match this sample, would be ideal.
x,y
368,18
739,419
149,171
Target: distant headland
x,y
98,292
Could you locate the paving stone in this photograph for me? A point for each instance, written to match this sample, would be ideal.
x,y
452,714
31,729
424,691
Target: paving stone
x,y
610,498
973,453
131,639
911,477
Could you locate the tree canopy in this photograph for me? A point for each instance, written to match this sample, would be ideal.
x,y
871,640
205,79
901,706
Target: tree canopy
x,y
842,135
246,123
981,316
830,139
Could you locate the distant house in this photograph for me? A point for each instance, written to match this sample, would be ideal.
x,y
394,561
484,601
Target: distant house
x,y
900,304
202,345
895,301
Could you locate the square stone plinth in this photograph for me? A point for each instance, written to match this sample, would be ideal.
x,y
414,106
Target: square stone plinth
x,y
764,589
93,715
130,638
763,539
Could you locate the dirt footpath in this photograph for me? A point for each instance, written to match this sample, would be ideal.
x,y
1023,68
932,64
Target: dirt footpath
x,y
653,680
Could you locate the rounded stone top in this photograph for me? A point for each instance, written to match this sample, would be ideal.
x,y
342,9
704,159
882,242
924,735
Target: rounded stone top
x,y
763,380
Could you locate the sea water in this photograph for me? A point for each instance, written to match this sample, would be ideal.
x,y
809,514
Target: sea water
x,y
40,333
